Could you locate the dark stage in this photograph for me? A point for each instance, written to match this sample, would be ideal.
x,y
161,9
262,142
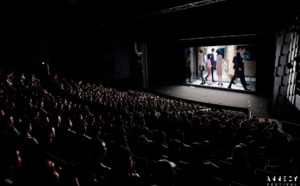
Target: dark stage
x,y
219,98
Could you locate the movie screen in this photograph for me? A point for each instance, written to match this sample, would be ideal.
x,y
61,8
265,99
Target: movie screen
x,y
225,67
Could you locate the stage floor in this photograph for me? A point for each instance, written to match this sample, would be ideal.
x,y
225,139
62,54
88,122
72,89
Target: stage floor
x,y
217,97
237,86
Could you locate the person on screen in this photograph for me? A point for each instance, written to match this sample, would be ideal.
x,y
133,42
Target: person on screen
x,y
209,67
232,81
219,67
234,62
201,65
243,51
212,60
239,68
188,70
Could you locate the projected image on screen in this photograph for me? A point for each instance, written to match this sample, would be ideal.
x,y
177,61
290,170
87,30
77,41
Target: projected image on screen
x,y
216,66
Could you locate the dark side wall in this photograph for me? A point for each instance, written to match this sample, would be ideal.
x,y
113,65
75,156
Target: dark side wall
x,y
286,74
93,55
81,54
24,46
70,51
164,63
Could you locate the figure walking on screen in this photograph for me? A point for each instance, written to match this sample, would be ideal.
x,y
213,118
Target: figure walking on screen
x,y
239,71
219,66
201,65
188,70
209,67
243,51
234,62
212,60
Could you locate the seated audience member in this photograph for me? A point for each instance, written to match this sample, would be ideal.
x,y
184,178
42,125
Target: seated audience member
x,y
241,171
164,173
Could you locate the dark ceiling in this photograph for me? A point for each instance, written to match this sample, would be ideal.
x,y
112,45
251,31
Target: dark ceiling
x,y
152,18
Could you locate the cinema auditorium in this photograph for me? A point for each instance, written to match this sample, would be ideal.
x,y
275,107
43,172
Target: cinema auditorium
x,y
150,93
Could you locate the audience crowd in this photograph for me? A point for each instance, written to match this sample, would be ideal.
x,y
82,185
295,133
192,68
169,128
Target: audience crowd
x,y
81,133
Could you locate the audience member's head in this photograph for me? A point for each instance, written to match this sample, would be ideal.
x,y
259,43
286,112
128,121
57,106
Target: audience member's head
x,y
164,173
